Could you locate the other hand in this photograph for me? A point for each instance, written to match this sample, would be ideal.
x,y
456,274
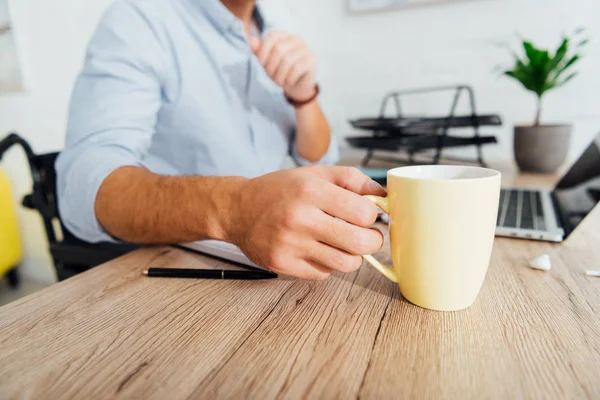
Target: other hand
x,y
288,62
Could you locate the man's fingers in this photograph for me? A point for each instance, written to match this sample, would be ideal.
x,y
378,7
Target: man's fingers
x,y
285,58
306,269
300,68
288,63
282,49
346,205
268,42
350,238
316,271
268,45
333,258
351,179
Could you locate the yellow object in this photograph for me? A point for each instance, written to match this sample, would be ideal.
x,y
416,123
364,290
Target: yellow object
x,y
442,227
10,243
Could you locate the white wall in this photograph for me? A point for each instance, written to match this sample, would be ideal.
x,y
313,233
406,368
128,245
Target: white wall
x,y
362,56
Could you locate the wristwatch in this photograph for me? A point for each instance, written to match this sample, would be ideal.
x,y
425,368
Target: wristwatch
x,y
300,103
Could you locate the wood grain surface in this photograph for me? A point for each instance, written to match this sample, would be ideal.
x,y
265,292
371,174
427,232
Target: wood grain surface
x,y
111,333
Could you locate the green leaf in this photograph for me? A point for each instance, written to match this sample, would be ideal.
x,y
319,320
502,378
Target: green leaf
x,y
561,52
538,69
568,65
523,78
567,79
549,87
520,65
532,53
583,43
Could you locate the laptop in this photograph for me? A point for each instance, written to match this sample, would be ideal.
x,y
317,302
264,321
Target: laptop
x,y
552,215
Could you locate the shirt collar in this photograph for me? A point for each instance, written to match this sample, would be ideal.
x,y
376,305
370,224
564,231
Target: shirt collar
x,y
224,20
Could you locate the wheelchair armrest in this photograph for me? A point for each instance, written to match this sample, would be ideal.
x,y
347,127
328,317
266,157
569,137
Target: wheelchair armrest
x,y
28,202
89,255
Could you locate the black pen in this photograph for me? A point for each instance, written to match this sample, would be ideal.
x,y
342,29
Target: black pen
x,y
208,274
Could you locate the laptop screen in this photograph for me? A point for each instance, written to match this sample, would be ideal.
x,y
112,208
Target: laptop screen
x,y
578,192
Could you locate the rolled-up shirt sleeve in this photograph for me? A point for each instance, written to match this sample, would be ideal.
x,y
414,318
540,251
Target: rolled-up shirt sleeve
x,y
112,117
331,157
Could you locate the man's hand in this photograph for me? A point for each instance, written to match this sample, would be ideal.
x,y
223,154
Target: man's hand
x,y
307,222
288,62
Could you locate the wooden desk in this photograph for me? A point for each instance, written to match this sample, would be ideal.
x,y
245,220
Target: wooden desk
x,y
110,333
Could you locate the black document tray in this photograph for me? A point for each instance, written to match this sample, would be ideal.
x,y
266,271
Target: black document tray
x,y
401,125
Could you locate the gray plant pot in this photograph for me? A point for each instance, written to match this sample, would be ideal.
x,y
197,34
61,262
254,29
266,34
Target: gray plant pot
x,y
541,149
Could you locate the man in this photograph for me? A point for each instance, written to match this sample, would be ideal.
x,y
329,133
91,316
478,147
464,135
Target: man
x,y
184,110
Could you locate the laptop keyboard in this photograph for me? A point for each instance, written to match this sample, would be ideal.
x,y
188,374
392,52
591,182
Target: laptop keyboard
x,y
521,209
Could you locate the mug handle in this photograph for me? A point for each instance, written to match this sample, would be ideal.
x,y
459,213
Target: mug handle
x,y
383,203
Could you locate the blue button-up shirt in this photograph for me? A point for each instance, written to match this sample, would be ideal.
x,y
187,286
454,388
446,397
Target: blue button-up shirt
x,y
172,86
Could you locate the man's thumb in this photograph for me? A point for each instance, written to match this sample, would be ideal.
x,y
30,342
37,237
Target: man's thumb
x,y
255,44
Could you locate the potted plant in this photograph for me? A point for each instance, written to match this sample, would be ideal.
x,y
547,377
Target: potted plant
x,y
543,147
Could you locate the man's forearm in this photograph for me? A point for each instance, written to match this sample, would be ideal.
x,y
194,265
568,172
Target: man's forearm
x,y
138,206
313,134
